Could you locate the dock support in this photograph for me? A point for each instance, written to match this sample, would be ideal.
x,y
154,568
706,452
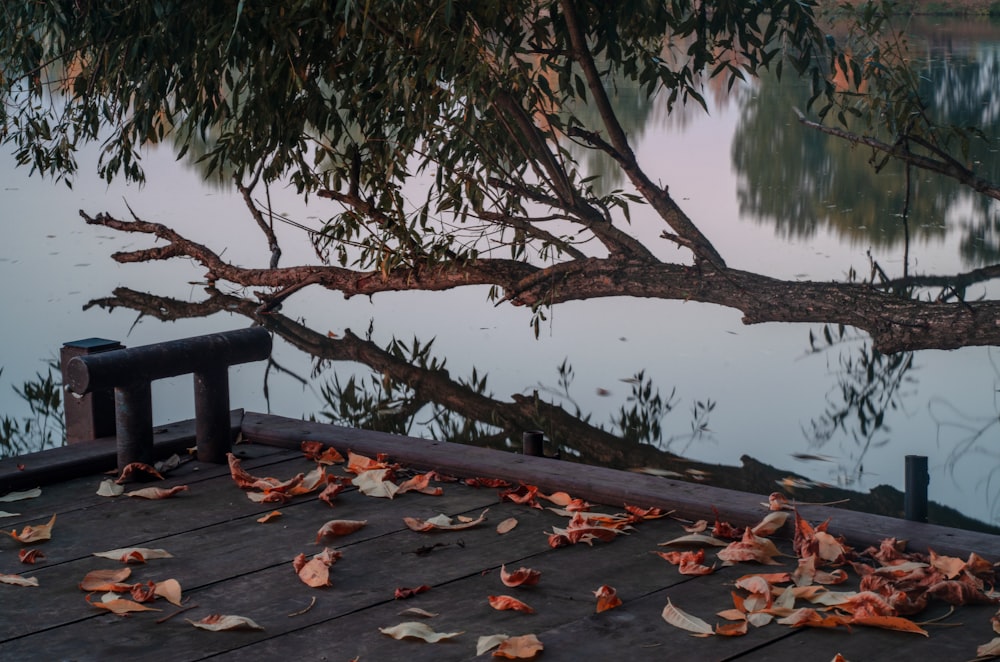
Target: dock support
x,y
917,479
89,416
533,443
130,371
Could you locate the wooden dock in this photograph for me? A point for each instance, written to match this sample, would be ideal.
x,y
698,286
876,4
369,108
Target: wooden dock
x,y
229,563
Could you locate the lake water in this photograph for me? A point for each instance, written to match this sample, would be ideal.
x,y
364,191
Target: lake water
x,y
772,196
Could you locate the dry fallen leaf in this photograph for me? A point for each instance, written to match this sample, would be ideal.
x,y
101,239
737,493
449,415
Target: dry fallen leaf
x,y
20,496
505,602
519,648
169,590
420,483
417,630
402,593
109,488
274,514
681,619
989,649
157,492
106,580
607,598
339,527
520,577
134,554
31,534
135,467
507,525
490,642
417,611
29,555
120,606
444,522
219,622
18,580
376,483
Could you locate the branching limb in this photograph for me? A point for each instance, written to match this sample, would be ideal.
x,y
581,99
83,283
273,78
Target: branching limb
x,y
265,227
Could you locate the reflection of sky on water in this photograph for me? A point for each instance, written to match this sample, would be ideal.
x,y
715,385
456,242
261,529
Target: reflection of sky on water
x,y
765,388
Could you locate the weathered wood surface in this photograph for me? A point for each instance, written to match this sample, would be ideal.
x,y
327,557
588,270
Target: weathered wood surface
x,y
57,464
229,563
602,485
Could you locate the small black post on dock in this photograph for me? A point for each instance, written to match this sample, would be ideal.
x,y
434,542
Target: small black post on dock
x,y
533,443
89,416
917,479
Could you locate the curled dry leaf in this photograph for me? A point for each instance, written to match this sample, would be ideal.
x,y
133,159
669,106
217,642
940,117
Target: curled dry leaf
x,y
119,606
376,483
695,540
607,598
507,525
417,630
169,590
18,580
420,483
137,467
685,621
315,572
771,523
417,611
404,593
357,463
490,642
506,602
339,527
444,522
29,556
274,514
109,488
318,452
219,622
520,577
157,492
134,554
30,534
524,647
989,649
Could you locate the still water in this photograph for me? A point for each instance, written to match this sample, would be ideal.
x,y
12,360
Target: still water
x,y
772,196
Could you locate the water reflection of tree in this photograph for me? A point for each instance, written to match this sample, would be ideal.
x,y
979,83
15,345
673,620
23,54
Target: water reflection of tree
x,y
409,386
871,386
43,427
803,182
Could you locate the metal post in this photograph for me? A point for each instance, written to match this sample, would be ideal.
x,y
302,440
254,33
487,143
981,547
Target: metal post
x,y
134,419
533,443
89,416
917,479
211,412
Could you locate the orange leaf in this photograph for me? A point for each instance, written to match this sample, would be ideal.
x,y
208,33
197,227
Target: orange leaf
x,y
607,598
889,623
949,566
135,467
29,555
315,573
31,534
646,513
486,482
274,514
106,580
566,501
734,629
750,548
505,602
157,492
420,483
339,527
520,577
120,605
524,647
318,452
357,463
144,592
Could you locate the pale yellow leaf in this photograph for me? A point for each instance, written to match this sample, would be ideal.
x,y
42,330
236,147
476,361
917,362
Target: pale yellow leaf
x,y
417,611
169,590
373,483
18,580
989,649
681,619
417,630
695,540
20,496
134,554
507,525
490,642
109,488
218,622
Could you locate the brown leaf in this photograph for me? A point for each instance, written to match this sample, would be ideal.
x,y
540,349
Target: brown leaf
x,y
137,467
30,534
505,602
507,525
443,522
274,514
157,492
318,452
420,483
119,606
339,527
29,556
404,593
524,647
520,577
106,580
890,623
734,629
607,598
315,573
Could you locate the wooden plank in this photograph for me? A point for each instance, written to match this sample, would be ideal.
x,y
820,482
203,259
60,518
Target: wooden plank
x,y
88,457
602,485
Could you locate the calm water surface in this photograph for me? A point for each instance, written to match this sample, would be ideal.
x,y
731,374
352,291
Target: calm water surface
x,y
770,195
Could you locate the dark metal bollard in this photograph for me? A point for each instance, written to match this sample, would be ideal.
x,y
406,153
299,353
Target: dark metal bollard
x,y
915,497
89,416
130,371
533,443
